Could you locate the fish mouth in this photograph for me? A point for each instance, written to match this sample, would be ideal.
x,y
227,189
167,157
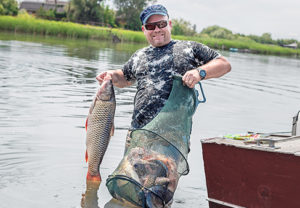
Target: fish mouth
x,y
106,91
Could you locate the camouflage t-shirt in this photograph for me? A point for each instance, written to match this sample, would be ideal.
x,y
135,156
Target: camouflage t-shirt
x,y
153,68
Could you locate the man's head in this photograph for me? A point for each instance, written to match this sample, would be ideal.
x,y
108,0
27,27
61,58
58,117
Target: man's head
x,y
156,25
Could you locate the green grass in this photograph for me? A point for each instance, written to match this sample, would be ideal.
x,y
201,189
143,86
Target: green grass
x,y
28,24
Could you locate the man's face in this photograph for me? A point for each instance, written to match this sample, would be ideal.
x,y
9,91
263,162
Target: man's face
x,y
159,36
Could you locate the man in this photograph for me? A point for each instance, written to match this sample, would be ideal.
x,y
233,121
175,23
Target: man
x,y
154,66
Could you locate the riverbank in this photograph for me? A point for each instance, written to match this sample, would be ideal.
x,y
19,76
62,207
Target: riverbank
x,y
31,25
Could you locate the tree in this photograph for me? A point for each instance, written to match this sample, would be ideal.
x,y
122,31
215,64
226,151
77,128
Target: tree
x,y
218,32
8,7
90,11
84,10
128,12
183,27
266,38
45,14
109,16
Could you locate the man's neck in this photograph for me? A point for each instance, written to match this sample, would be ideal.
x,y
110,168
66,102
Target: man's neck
x,y
162,45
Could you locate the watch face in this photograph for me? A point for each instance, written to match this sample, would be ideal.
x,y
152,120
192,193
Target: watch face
x,y
202,74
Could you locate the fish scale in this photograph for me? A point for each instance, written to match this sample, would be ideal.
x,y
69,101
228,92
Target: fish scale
x,y
101,119
99,127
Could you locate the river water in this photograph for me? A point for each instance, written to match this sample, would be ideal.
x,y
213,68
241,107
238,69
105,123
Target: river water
x,y
47,85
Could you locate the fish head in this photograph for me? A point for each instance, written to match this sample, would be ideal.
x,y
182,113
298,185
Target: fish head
x,y
106,91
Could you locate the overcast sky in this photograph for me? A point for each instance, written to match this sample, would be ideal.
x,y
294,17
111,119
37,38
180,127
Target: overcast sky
x,y
281,18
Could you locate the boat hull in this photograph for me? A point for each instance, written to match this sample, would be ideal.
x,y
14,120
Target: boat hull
x,y
246,177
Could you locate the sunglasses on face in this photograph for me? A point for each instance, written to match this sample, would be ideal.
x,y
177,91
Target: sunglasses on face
x,y
159,24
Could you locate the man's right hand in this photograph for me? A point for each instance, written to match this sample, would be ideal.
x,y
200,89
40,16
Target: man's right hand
x,y
116,76
106,75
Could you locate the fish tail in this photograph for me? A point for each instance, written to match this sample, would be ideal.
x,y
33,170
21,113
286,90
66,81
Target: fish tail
x,y
91,178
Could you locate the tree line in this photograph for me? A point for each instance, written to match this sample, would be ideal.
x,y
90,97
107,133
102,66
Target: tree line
x,y
126,15
223,33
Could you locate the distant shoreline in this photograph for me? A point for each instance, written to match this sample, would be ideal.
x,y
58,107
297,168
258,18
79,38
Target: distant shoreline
x,y
30,25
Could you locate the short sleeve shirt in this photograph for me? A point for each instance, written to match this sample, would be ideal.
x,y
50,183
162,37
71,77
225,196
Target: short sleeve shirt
x,y
153,68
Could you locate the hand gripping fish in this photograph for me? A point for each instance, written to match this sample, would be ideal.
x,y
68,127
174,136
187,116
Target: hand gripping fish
x,y
99,128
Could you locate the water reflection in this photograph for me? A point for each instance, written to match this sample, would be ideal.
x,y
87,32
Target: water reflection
x,y
90,197
89,50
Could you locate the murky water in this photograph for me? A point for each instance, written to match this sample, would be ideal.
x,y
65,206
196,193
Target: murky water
x,y
47,85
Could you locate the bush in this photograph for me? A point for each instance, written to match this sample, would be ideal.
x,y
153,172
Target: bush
x,y
8,7
45,14
182,27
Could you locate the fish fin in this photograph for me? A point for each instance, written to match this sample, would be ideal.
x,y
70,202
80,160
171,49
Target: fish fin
x,y
86,124
112,131
86,156
95,179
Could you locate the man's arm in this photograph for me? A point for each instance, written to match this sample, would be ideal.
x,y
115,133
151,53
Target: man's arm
x,y
214,69
117,77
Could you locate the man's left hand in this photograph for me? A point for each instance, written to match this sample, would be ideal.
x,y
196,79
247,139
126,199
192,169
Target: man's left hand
x,y
191,78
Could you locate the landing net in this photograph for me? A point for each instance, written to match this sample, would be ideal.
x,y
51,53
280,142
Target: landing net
x,y
148,174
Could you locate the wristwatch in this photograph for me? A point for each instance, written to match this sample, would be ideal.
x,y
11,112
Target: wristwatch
x,y
202,73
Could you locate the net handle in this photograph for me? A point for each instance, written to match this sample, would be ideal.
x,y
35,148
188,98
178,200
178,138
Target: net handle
x,y
202,93
196,93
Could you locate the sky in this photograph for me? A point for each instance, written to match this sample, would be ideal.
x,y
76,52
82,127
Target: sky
x,y
281,18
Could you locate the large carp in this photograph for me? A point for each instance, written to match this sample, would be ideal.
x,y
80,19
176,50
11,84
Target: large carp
x,y
99,128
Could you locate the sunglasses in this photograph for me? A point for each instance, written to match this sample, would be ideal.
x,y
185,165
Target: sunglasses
x,y
159,24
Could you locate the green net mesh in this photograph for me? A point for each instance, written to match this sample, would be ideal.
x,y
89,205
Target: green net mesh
x,y
148,174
